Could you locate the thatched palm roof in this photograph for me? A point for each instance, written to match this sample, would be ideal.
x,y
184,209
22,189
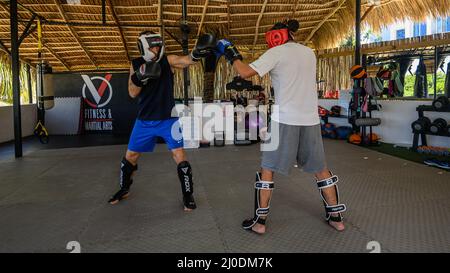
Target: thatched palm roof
x,y
77,46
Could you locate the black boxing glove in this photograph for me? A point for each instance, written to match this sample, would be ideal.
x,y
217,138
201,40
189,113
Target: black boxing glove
x,y
145,72
205,46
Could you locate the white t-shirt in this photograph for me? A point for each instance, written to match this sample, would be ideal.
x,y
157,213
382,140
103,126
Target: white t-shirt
x,y
292,68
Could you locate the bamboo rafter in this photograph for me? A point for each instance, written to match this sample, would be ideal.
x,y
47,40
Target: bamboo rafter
x,y
341,3
367,12
205,8
36,38
108,43
116,20
258,22
74,34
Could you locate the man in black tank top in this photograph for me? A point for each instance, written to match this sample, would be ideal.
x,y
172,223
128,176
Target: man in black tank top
x,y
151,81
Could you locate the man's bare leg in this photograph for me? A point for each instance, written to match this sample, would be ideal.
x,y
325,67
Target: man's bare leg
x,y
265,195
178,155
132,157
331,197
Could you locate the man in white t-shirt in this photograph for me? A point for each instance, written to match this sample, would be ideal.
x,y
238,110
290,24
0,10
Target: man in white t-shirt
x,y
292,68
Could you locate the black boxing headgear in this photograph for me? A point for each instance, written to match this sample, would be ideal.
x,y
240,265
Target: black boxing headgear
x,y
146,41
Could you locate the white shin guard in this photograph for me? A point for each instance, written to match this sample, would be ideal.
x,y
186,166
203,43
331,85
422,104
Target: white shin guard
x,y
329,209
259,211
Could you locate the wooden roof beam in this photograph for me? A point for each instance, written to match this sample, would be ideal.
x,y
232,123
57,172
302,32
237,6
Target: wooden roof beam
x,y
5,7
294,8
205,7
367,12
396,45
4,48
116,20
333,12
63,62
8,52
258,22
74,34
228,18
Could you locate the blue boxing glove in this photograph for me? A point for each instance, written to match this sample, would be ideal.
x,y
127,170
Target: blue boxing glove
x,y
221,45
226,48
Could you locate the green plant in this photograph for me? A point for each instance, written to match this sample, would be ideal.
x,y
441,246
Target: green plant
x,y
6,95
410,80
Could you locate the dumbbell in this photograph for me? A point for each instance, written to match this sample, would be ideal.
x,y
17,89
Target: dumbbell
x,y
438,126
421,125
441,103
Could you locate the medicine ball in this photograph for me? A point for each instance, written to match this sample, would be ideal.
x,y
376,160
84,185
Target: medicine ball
x,y
357,72
372,138
343,132
355,139
330,130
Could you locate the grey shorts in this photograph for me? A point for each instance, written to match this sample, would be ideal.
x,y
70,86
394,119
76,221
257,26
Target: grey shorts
x,y
297,144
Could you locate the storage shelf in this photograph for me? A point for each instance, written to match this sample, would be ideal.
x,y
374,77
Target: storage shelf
x,y
423,136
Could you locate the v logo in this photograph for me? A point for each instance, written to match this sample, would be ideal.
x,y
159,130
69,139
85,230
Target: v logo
x,y
96,94
185,169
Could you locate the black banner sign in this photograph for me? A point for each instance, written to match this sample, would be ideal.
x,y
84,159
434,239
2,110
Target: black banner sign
x,y
107,105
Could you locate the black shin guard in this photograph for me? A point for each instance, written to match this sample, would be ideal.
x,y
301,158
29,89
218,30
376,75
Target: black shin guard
x,y
259,211
187,185
329,209
126,171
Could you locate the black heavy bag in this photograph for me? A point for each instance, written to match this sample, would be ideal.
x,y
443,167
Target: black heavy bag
x,y
404,64
447,82
421,84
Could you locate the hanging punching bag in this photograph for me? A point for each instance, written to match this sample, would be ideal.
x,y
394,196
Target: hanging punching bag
x,y
447,82
404,64
421,83
44,86
45,91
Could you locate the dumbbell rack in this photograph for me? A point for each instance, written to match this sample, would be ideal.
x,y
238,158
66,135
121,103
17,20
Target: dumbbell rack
x,y
427,108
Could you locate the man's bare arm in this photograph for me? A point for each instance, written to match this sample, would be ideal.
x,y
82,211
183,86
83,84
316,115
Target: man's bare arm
x,y
180,62
243,69
133,90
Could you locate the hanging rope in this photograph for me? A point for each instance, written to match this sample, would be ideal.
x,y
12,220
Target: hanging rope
x,y
40,131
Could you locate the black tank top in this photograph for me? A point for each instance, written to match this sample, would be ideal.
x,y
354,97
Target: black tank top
x,y
156,99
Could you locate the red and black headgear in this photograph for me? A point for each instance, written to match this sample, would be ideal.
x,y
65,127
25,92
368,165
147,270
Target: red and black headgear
x,y
281,32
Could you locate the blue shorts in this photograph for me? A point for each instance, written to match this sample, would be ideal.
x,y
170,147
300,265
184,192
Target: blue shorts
x,y
144,134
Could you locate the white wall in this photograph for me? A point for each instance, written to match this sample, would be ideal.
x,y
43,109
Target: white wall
x,y
396,118
29,120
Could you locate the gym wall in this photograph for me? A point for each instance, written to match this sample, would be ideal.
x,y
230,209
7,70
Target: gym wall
x,y
28,112
396,118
